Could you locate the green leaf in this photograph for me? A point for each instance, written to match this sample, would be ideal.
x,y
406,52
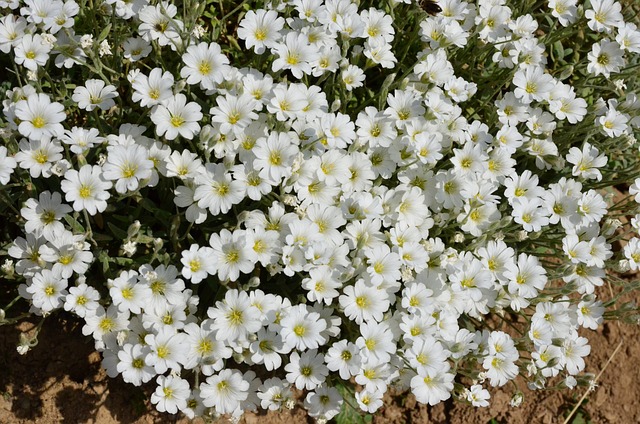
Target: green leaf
x,y
118,232
104,33
102,237
75,225
349,415
579,419
103,257
566,73
123,261
234,42
144,239
559,49
385,89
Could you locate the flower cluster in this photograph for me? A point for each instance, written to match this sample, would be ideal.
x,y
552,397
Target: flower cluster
x,y
420,209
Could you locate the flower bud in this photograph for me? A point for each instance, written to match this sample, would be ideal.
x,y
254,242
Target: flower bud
x,y
610,226
516,400
157,244
133,229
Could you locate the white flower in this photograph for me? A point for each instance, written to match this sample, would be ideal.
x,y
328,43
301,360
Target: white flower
x,y
81,139
306,371
352,77
95,94
167,350
154,89
604,58
104,49
7,165
67,252
432,387
302,329
564,10
48,289
133,366
176,117
197,263
225,391
158,23
39,117
532,84
274,393
604,16
323,403
380,53
100,322
376,342
274,156
217,191
38,156
629,37
632,253
128,166
344,357
294,54
127,294
235,318
573,350
232,255
12,30
86,41
362,302
478,396
369,400
43,215
136,48
171,394
82,300
586,161
234,113
32,51
204,65
260,29
526,277
87,189
613,123
530,214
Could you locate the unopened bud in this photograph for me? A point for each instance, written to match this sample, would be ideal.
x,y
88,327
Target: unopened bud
x,y
133,229
516,400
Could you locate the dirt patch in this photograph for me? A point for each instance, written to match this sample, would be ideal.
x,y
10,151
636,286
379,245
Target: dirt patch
x,y
61,381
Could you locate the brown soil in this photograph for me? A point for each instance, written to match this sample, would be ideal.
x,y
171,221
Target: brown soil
x,y
60,381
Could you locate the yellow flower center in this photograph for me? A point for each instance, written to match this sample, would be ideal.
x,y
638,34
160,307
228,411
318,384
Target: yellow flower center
x,y
204,68
205,347
129,170
106,324
299,330
127,293
260,34
235,317
48,217
38,122
362,301
163,352
85,191
177,121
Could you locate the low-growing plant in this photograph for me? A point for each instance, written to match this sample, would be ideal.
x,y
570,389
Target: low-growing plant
x,y
240,198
